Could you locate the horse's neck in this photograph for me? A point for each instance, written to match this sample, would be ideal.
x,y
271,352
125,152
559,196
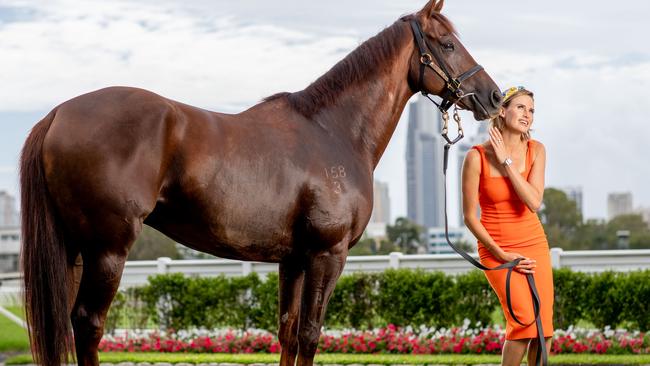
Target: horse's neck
x,y
368,113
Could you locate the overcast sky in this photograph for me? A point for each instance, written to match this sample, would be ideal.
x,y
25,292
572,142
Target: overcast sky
x,y
588,63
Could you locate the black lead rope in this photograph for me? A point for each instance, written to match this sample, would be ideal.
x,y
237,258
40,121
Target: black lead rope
x,y
541,352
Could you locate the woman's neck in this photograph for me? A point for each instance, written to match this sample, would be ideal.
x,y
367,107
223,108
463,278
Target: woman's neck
x,y
512,140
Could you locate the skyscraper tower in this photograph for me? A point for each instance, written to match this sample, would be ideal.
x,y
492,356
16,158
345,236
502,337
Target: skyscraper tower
x,y
424,154
619,204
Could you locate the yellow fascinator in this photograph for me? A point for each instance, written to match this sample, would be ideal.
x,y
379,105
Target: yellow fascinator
x,y
506,94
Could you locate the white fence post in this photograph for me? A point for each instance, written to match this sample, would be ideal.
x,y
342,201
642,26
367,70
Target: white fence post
x,y
246,268
163,264
393,260
556,257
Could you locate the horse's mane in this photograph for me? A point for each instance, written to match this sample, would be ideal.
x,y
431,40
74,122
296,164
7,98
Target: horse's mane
x,y
355,67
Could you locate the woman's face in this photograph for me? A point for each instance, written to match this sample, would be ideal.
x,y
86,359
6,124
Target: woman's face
x,y
519,113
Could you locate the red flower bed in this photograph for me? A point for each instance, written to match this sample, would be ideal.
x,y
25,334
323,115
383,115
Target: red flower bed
x,y
384,340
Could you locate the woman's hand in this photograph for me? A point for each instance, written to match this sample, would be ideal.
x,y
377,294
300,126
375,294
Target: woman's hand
x,y
497,144
527,265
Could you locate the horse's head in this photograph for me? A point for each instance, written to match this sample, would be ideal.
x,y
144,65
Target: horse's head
x,y
442,66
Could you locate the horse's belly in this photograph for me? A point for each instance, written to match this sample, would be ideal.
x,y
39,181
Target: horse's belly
x,y
262,236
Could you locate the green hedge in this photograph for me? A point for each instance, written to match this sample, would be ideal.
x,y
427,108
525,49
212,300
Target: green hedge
x,y
366,300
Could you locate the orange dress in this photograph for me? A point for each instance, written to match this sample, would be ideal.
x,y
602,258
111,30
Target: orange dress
x,y
515,229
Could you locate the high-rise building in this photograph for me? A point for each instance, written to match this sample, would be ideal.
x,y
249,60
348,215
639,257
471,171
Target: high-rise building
x,y
574,193
381,203
619,204
8,212
424,152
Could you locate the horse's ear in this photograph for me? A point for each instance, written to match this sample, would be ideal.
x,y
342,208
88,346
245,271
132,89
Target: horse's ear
x,y
439,5
433,6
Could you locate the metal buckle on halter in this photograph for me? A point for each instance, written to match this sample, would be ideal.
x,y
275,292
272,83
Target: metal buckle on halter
x,y
426,58
453,85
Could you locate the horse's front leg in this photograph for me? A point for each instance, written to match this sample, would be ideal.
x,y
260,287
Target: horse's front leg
x,y
322,271
291,280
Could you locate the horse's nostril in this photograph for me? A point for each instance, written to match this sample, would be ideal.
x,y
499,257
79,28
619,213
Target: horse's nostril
x,y
496,98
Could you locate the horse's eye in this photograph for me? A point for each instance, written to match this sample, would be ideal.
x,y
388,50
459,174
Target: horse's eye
x,y
448,46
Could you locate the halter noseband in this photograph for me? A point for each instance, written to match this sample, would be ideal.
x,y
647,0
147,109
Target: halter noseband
x,y
452,92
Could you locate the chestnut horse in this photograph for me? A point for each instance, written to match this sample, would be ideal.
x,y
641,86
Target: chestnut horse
x,y
287,181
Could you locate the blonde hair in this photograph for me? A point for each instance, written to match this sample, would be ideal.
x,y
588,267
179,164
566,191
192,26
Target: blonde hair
x,y
499,122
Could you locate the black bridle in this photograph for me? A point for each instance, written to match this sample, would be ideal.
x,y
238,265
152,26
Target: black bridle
x,y
450,96
452,92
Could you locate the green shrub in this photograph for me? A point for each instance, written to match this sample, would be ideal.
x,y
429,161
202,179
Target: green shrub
x,y
408,297
635,293
354,302
473,299
569,304
366,300
264,311
603,298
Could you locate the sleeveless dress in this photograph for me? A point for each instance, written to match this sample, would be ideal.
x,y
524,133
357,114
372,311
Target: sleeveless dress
x,y
515,229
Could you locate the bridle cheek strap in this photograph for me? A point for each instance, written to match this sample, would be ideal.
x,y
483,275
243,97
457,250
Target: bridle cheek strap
x,y
452,92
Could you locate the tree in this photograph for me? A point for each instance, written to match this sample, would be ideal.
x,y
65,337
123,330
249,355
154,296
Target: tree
x,y
371,246
639,231
592,234
405,234
151,244
560,217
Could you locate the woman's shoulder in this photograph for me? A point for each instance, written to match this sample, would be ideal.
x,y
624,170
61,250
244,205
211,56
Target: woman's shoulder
x,y
476,150
485,146
537,146
473,156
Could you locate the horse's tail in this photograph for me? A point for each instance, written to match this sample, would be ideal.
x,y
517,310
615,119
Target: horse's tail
x,y
44,259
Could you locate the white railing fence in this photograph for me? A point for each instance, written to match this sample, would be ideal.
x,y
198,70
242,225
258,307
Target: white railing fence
x,y
137,272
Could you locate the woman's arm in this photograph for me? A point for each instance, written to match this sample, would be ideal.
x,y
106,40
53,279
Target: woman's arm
x,y
471,176
530,191
470,183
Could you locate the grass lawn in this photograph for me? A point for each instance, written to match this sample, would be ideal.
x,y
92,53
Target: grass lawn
x,y
17,311
12,336
349,359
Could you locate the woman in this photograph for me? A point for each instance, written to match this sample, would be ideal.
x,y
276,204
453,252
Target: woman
x,y
505,176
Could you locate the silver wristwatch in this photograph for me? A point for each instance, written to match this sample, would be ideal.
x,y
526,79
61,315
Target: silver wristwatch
x,y
507,162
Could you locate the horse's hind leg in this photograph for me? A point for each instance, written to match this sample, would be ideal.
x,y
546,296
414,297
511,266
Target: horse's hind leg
x,y
101,277
103,262
322,272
